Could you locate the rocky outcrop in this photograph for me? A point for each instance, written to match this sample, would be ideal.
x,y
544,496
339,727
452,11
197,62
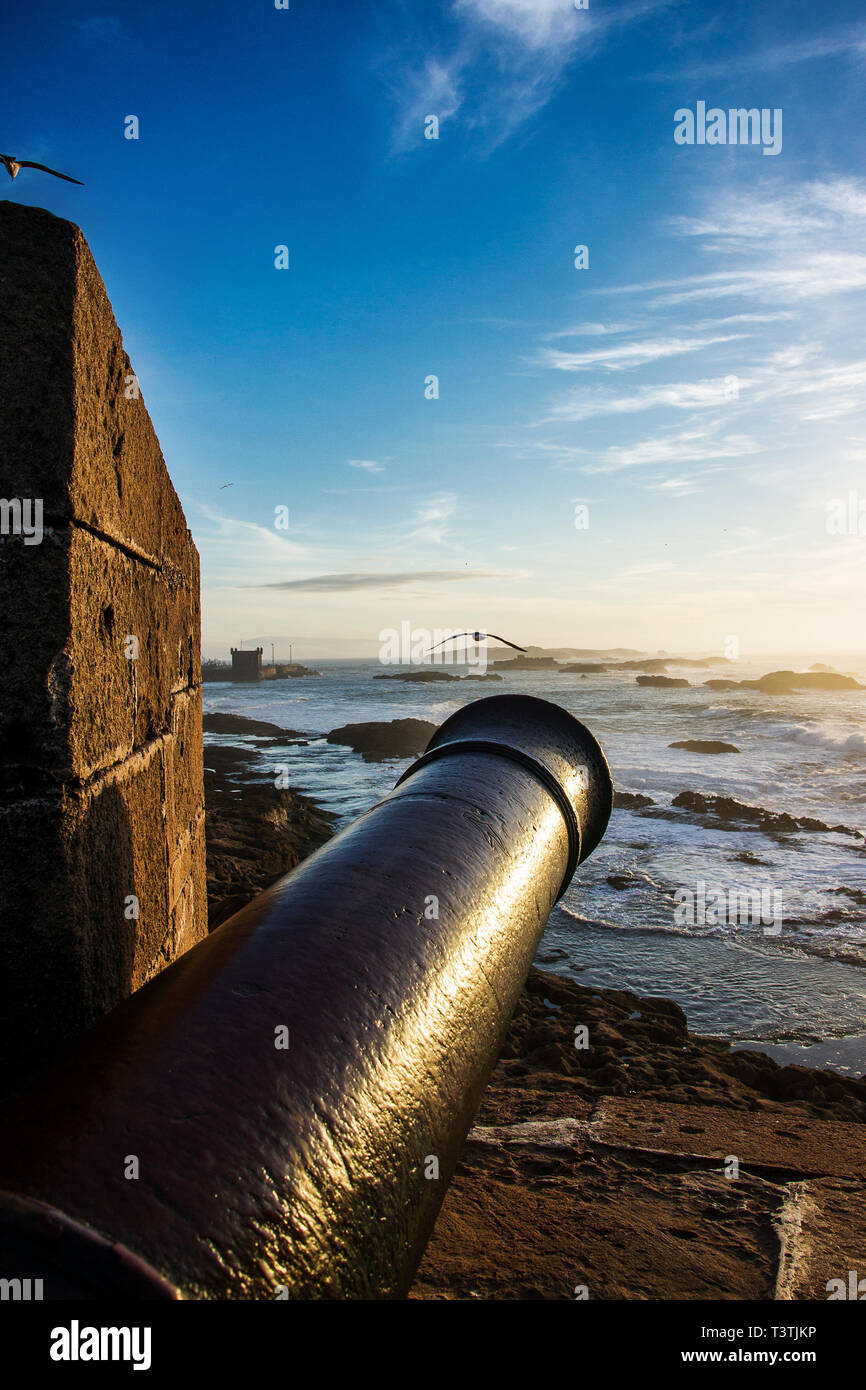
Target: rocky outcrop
x,y
781,682
225,723
399,738
704,745
631,801
788,682
727,812
672,682
421,677
256,832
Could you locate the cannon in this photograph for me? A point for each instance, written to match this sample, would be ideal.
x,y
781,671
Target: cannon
x,y
279,1113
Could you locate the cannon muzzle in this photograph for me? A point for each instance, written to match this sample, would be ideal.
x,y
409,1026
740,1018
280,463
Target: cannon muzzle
x,y
280,1111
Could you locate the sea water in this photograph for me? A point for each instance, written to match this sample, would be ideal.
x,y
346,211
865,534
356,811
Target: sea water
x,y
796,989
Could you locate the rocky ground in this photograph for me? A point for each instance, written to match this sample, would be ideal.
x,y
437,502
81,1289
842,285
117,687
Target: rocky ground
x,y
255,832
644,1162
649,1164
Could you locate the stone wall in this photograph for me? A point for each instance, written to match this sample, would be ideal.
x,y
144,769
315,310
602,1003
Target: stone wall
x,y
101,797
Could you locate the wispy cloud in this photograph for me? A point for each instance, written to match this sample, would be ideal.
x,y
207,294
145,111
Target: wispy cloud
x,y
228,533
588,330
693,445
500,62
843,43
682,484
369,465
796,245
682,395
430,522
349,583
783,245
809,387
626,355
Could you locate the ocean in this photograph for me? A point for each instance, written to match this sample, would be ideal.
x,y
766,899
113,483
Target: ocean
x,y
789,979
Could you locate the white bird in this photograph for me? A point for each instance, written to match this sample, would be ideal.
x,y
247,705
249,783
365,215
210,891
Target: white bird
x,y
13,165
476,637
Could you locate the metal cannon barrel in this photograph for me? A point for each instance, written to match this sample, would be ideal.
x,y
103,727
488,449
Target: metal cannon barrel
x,y
280,1111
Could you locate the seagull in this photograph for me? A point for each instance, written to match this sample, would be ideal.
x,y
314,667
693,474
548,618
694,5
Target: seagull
x,y
225,485
13,166
476,637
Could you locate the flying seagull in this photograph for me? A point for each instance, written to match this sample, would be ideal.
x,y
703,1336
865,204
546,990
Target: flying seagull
x,y
476,637
225,485
13,166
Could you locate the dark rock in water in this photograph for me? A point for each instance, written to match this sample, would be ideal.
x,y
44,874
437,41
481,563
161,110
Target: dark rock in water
x,y
788,682
529,663
732,813
621,882
631,801
227,758
653,663
418,676
255,832
551,956
399,738
220,723
662,680
488,677
745,856
781,682
704,745
583,668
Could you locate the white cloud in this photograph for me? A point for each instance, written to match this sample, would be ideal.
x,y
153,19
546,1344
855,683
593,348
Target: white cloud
x,y
630,354
693,445
844,43
430,522
539,24
504,61
369,465
806,385
683,395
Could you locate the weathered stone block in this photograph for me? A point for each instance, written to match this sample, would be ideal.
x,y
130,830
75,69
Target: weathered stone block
x,y
69,431
106,685
102,870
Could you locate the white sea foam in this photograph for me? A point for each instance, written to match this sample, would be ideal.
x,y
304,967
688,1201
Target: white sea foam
x,y
814,735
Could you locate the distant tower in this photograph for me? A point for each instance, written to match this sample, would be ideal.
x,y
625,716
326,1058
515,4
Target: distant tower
x,y
246,665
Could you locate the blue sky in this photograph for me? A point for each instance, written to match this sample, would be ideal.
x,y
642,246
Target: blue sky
x,y
699,388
